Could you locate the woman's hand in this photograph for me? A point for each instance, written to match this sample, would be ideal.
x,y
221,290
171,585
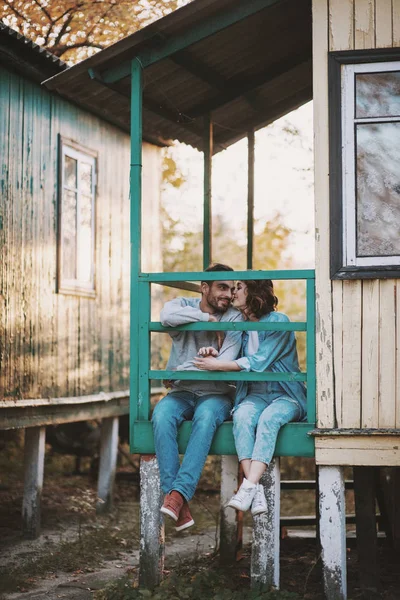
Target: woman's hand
x,y
207,351
208,363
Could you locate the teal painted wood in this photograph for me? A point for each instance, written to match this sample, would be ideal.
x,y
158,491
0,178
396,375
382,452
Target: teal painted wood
x,y
194,34
136,219
311,356
293,439
207,218
232,326
227,376
143,342
250,197
242,275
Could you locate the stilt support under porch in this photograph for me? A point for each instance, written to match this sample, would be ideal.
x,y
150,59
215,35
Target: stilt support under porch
x,y
333,531
108,463
266,532
151,524
231,522
34,450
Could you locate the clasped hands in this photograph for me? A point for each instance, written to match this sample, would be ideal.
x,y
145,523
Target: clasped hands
x,y
206,359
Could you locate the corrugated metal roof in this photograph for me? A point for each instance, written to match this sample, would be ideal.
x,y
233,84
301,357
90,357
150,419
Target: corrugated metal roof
x,y
247,74
22,54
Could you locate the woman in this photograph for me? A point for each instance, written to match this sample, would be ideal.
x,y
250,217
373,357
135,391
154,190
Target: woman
x,y
261,408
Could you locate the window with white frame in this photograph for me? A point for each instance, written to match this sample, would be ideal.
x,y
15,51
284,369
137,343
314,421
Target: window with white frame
x,y
365,165
76,230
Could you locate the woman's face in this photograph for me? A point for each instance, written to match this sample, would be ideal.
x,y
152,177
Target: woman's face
x,y
240,295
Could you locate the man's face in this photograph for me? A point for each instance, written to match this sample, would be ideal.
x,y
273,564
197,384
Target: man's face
x,y
218,295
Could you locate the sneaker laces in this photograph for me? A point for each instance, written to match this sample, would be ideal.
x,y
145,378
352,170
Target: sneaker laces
x,y
244,493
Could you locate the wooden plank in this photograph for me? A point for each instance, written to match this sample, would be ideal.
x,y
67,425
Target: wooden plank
x,y
341,24
397,355
108,464
396,22
324,332
370,354
367,548
364,26
353,441
337,303
387,353
357,457
384,24
351,416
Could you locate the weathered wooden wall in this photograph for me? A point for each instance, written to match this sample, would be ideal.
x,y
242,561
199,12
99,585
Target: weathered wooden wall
x,y
358,336
53,344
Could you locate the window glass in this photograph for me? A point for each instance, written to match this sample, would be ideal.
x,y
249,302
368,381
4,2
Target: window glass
x,y
69,235
70,172
378,189
378,94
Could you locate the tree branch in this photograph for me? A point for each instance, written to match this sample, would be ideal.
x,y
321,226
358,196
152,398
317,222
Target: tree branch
x,y
60,50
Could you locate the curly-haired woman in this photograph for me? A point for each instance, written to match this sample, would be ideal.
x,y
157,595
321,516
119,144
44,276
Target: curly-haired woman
x,y
261,407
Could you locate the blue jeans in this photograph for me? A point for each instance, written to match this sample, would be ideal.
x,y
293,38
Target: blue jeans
x,y
207,414
256,424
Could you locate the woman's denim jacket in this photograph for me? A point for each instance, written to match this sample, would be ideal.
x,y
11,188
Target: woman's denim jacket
x,y
276,353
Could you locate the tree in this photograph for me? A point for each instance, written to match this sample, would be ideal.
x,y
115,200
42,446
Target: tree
x,y
76,29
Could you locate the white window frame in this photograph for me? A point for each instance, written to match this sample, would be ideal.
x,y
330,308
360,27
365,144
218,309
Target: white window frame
x,y
349,122
80,154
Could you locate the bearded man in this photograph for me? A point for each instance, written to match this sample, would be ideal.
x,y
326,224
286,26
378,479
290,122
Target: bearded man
x,y
207,403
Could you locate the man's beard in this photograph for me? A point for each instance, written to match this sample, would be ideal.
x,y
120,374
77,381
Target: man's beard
x,y
214,304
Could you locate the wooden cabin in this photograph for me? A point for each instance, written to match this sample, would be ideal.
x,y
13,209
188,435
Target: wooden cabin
x,y
240,66
64,247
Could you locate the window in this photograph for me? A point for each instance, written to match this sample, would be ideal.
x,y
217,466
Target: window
x,y
364,164
76,224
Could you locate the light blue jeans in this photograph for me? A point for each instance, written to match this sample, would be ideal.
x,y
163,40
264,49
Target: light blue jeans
x,y
256,424
207,414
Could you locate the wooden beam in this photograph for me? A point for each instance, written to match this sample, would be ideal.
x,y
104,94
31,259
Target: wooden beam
x,y
236,88
204,29
207,194
250,198
367,542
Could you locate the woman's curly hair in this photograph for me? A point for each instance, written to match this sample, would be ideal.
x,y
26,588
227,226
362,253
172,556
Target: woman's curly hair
x,y
260,299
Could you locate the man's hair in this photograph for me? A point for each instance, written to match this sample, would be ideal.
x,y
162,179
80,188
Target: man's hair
x,y
260,299
216,267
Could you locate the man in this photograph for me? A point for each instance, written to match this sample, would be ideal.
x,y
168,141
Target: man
x,y
207,403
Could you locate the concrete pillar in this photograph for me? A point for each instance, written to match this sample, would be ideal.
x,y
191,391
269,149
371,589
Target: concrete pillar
x,y
266,534
35,438
333,531
231,523
152,540
108,463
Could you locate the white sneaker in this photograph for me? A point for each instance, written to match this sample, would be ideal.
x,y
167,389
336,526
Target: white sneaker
x,y
244,496
259,504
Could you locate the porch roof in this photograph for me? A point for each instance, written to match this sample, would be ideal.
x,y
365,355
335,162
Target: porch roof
x,y
246,63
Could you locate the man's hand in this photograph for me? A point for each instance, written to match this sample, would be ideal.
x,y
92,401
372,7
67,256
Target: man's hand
x,y
207,351
209,363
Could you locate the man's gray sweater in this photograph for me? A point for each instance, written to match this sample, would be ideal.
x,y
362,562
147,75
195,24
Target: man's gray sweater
x,y
185,344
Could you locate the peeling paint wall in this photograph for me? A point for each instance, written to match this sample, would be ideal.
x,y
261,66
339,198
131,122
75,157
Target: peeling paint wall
x,y
358,349
54,344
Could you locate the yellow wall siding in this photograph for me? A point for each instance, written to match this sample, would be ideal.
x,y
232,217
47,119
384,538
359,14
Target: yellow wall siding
x,y
54,345
365,353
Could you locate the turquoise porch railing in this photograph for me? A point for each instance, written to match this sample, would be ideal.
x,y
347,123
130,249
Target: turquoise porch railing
x,y
293,439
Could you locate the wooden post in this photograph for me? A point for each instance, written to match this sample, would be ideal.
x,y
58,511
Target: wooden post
x,y
207,211
34,450
152,539
333,531
108,463
250,197
367,543
231,523
266,532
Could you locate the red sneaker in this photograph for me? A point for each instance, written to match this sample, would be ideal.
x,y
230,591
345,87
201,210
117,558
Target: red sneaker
x,y
185,518
173,503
